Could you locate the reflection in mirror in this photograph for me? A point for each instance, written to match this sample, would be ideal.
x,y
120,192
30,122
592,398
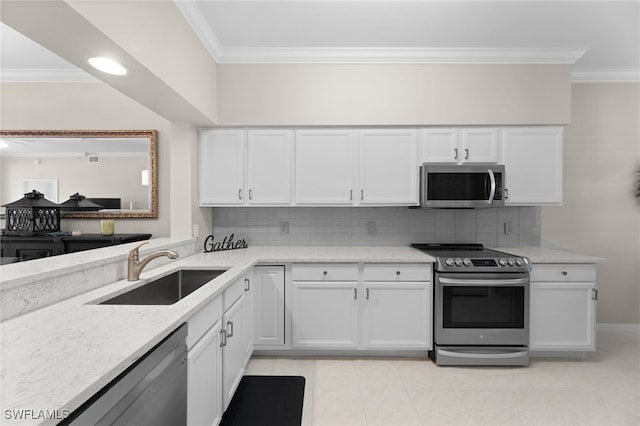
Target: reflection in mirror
x,y
115,169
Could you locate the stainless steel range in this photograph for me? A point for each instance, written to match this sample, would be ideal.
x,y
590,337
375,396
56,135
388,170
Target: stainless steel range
x,y
481,305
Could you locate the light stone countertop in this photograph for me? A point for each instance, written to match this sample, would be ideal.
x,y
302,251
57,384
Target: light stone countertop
x,y
548,255
57,357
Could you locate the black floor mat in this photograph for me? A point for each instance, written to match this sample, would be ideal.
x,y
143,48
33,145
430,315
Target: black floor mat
x,y
266,401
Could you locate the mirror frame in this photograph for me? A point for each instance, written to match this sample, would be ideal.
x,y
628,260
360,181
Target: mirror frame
x,y
152,135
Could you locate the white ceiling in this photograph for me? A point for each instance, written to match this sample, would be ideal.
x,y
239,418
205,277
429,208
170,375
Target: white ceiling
x,y
601,39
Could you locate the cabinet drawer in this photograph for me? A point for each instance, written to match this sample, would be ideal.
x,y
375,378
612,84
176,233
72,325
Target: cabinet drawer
x,y
563,272
233,293
325,272
203,320
397,272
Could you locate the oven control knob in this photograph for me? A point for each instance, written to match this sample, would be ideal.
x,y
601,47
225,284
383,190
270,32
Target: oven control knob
x,y
511,262
449,262
502,262
467,262
458,261
519,262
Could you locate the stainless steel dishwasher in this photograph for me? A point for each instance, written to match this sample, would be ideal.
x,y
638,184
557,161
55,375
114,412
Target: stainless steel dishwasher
x,y
153,391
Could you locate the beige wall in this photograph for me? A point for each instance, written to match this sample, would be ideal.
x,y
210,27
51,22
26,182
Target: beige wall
x,y
600,215
90,106
337,94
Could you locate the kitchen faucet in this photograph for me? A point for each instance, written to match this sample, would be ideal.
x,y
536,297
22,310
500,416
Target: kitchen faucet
x,y
134,266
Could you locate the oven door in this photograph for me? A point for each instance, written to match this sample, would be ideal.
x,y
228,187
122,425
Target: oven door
x,y
482,309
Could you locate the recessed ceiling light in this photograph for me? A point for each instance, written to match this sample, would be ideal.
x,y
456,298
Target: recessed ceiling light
x,y
107,65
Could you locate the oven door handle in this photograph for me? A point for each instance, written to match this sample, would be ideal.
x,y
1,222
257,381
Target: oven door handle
x,y
483,356
493,283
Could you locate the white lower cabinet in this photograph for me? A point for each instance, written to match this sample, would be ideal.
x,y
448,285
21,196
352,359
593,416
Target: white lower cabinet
x,y
247,317
268,306
386,306
397,315
204,396
563,307
397,306
325,314
232,350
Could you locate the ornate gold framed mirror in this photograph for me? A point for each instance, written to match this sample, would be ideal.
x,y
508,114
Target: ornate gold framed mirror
x,y
115,169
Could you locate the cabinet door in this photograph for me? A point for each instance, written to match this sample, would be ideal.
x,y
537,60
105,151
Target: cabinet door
x,y
222,167
232,354
204,398
270,167
387,167
268,293
247,318
562,316
397,315
440,146
533,165
325,314
325,167
479,145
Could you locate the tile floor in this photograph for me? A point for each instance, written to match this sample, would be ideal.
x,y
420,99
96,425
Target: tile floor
x,y
601,389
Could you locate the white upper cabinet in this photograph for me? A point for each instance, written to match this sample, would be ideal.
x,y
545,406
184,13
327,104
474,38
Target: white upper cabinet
x,y
239,167
222,167
532,159
479,145
325,167
270,167
460,146
440,145
387,167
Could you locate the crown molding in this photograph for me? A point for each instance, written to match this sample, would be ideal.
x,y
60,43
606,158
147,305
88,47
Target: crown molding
x,y
399,55
194,17
606,76
51,75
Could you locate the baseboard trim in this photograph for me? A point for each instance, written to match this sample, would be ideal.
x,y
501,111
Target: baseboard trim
x,y
618,327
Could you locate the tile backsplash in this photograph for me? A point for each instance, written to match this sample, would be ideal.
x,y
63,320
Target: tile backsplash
x,y
377,226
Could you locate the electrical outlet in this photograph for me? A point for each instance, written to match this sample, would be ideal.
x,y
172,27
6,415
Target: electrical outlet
x,y
508,228
284,227
371,228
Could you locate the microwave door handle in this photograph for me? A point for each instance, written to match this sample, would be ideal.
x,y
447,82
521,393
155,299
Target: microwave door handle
x,y
492,192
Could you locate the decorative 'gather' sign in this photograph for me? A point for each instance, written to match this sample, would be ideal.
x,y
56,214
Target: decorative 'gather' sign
x,y
226,244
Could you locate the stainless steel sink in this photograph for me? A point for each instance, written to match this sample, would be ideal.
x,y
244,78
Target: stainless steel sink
x,y
166,290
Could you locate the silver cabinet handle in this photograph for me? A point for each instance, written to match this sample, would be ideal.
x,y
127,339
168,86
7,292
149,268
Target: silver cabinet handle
x,y
455,150
250,195
466,153
506,193
367,296
239,194
351,195
398,273
223,338
230,325
324,273
355,293
247,284
565,273
594,294
361,194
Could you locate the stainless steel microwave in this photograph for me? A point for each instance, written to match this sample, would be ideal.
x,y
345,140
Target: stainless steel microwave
x,y
461,186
